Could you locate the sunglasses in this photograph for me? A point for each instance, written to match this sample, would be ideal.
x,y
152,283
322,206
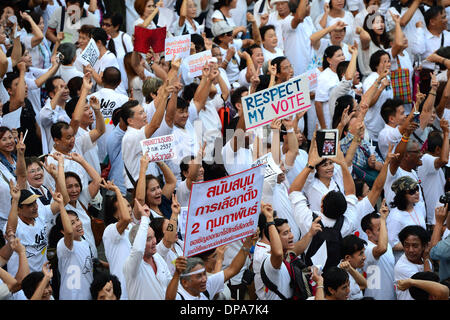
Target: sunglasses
x,y
413,191
228,34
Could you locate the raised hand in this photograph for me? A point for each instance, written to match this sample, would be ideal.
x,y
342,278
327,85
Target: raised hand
x,y
390,156
345,265
250,18
20,146
404,284
315,227
76,157
17,246
14,190
313,155
176,207
384,210
47,271
180,264
288,123
275,124
144,210
95,104
441,214
267,210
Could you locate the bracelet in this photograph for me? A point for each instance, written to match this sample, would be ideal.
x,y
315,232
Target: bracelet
x,y
271,223
432,93
318,287
290,130
405,139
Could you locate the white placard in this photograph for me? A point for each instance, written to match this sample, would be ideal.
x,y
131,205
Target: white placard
x,y
196,62
224,210
271,169
12,119
279,101
159,148
90,54
177,47
182,217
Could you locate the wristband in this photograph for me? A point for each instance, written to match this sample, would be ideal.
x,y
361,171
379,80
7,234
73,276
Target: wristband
x,y
318,287
271,223
290,130
310,166
405,139
432,93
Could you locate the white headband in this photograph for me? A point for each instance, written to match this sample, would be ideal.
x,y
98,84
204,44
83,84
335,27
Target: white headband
x,y
193,272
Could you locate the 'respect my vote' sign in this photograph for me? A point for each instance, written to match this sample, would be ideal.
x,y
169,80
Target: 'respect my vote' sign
x,y
223,210
279,101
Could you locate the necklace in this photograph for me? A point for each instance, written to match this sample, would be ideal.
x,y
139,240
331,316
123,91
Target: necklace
x,y
415,218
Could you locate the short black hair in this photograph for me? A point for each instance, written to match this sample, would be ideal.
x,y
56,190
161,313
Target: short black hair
x,y
69,51
74,86
70,106
417,293
334,277
341,69
182,103
389,108
31,282
111,77
366,221
236,95
279,222
10,77
157,225
184,165
432,13
49,84
266,28
414,230
100,280
339,106
434,140
375,59
116,18
334,204
198,42
329,53
351,244
127,111
56,129
189,91
98,34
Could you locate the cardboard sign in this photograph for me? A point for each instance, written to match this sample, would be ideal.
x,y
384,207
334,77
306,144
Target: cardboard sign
x,y
224,210
279,101
90,54
271,167
312,76
145,38
196,62
178,47
159,148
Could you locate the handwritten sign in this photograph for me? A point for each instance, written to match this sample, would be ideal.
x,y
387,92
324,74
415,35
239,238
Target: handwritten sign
x,y
223,210
196,62
279,101
90,54
271,167
159,148
312,79
179,47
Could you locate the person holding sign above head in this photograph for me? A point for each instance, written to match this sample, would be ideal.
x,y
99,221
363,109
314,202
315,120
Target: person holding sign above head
x,y
338,211
195,284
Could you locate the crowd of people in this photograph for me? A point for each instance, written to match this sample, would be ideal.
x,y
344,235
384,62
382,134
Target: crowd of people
x,y
85,215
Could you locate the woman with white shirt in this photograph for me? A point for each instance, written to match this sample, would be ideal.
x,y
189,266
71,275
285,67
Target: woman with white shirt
x,y
406,210
186,23
326,81
135,76
222,11
335,9
35,42
270,41
147,11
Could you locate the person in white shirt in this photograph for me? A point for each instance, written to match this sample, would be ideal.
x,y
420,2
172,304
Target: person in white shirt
x,y
380,260
336,284
195,284
262,251
425,286
335,207
270,43
415,259
115,237
407,210
431,173
191,170
36,285
147,11
396,123
146,273
67,70
332,10
353,258
186,23
74,257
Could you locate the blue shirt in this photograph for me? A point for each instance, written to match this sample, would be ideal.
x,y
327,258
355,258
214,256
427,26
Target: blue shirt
x,y
114,150
441,252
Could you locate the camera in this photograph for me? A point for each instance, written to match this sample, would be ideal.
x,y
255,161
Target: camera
x,y
445,198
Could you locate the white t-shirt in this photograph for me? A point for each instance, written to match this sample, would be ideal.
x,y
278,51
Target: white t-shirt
x,y
117,249
35,240
76,269
270,56
169,255
69,72
380,273
348,19
373,120
214,284
233,66
280,277
404,269
390,179
5,196
236,162
262,251
83,141
433,182
363,208
389,135
326,81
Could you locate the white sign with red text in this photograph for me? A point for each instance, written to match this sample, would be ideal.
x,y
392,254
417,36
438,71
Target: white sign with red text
x,y
223,210
196,62
159,148
177,47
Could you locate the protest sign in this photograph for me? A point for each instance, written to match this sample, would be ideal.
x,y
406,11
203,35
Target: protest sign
x,y
159,148
312,78
90,54
12,119
182,217
279,101
223,210
271,167
145,38
196,62
178,47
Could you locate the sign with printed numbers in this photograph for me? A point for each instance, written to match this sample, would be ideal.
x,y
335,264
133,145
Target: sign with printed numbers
x,y
196,62
159,148
177,47
280,101
224,210
90,54
271,167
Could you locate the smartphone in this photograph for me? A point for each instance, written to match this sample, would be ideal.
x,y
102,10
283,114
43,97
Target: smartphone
x,y
416,118
327,143
59,57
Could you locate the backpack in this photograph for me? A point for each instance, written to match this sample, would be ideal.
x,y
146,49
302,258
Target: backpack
x,y
300,279
333,238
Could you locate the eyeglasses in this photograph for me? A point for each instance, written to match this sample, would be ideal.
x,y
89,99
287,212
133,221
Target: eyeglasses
x,y
106,24
34,171
413,191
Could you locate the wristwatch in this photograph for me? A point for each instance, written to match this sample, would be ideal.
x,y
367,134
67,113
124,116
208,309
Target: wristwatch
x,y
309,166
